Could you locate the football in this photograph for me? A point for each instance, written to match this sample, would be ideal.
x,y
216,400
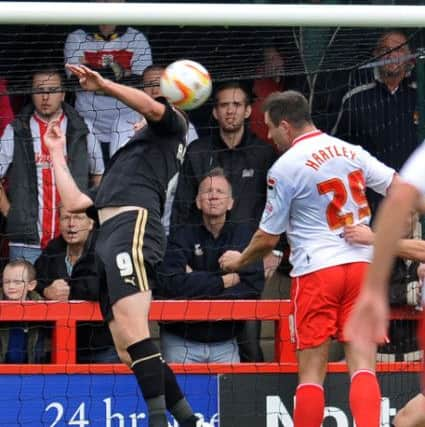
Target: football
x,y
187,84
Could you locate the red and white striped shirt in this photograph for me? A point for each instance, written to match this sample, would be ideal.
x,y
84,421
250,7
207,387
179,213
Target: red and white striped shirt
x,y
48,197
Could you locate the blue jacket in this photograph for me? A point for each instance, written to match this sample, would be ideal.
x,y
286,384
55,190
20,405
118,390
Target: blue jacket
x,y
196,247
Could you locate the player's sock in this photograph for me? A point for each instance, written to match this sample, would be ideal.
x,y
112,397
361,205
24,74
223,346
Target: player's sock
x,y
176,402
365,399
148,368
309,405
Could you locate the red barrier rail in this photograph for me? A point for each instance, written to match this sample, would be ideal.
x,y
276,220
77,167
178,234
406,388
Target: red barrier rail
x,y
65,316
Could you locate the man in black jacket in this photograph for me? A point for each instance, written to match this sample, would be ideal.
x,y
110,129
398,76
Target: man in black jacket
x,y
31,203
66,270
190,270
381,113
244,158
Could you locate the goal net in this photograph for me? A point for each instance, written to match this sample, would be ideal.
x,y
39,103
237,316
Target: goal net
x,y
361,69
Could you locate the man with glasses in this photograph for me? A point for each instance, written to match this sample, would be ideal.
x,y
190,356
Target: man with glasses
x,y
381,110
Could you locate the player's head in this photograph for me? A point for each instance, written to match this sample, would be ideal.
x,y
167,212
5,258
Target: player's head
x,y
151,77
214,197
47,92
393,46
150,80
231,106
74,227
286,114
19,278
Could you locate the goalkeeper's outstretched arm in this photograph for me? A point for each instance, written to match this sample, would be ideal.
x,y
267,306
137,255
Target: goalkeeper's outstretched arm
x,y
134,98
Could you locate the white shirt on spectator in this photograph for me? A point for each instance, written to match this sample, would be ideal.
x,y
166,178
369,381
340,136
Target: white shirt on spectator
x,y
130,49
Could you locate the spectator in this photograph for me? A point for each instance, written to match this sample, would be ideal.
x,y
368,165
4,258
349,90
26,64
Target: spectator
x,y
404,291
191,270
31,201
270,80
381,115
126,125
66,270
22,342
118,53
245,160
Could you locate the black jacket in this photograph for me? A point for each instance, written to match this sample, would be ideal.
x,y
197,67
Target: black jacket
x,y
196,247
84,284
21,225
383,123
38,336
246,167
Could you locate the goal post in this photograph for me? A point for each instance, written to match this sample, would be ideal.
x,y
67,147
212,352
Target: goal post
x,y
208,14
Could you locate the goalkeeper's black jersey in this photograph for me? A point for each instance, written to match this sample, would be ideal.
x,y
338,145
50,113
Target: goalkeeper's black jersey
x,y
140,173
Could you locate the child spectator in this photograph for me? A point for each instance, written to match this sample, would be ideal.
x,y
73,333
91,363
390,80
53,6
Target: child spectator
x,y
22,342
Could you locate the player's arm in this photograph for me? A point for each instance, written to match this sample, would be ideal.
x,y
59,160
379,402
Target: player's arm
x,y
72,197
368,322
134,98
390,224
260,245
406,248
411,249
401,200
273,223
